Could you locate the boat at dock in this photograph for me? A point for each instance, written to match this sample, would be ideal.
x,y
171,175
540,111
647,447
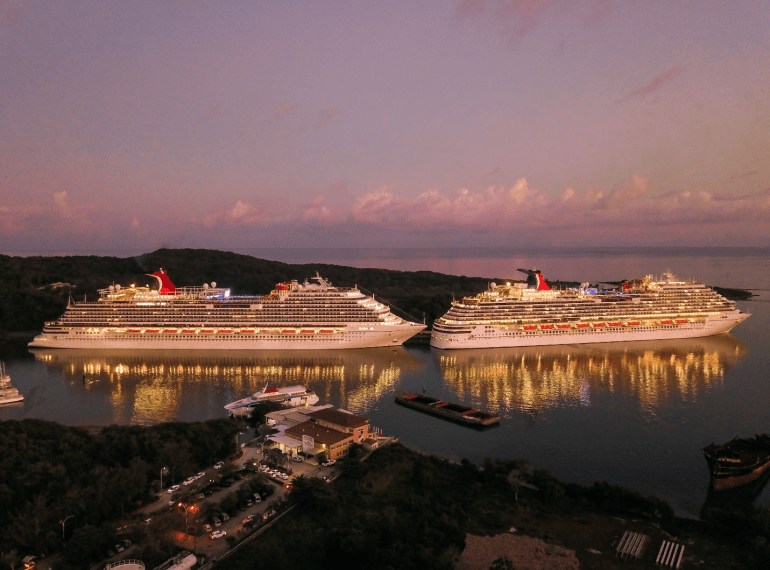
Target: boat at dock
x,y
8,393
465,415
290,396
737,462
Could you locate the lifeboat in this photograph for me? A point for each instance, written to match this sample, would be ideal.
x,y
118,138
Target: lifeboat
x,y
288,331
613,324
306,331
667,322
633,323
170,331
326,331
598,325
225,331
188,331
546,327
563,326
682,321
530,327
207,331
134,330
583,325
152,331
247,331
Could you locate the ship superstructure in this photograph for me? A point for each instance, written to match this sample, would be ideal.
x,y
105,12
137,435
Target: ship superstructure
x,y
533,314
309,315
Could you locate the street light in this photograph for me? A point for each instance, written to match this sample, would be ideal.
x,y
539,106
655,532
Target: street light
x,y
62,526
192,508
162,469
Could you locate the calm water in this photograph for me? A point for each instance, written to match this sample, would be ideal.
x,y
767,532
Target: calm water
x,y
634,414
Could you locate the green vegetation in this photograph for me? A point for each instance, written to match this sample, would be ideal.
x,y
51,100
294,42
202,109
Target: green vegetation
x,y
49,471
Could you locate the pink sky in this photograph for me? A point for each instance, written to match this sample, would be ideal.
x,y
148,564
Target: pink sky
x,y
136,125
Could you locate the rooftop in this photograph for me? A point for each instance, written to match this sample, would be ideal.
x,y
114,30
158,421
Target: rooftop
x,y
340,418
319,433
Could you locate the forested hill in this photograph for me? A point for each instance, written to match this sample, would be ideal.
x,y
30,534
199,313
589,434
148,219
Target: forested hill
x,y
36,289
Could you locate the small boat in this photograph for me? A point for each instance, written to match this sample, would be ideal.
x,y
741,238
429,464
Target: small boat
x,y
737,462
291,396
8,393
447,410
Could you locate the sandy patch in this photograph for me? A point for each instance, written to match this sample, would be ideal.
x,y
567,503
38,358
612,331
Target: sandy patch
x,y
524,552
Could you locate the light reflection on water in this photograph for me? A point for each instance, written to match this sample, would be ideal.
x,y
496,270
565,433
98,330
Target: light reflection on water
x,y
538,378
146,387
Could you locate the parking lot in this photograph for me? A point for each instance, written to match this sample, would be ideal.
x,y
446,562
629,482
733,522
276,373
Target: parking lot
x,y
213,543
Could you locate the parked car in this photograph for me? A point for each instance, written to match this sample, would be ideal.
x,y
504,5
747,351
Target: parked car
x,y
248,502
257,498
119,547
188,481
297,459
329,463
225,517
172,489
207,527
218,534
200,496
126,542
284,476
219,465
217,522
249,519
288,486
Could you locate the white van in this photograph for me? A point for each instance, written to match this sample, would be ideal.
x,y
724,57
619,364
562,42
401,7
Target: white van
x,y
257,498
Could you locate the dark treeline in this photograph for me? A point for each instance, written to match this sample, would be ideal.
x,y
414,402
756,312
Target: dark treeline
x,y
29,297
49,471
401,509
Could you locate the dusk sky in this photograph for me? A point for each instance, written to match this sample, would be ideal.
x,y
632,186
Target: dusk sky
x,y
238,124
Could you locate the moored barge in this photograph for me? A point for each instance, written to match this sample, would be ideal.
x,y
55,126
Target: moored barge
x,y
465,415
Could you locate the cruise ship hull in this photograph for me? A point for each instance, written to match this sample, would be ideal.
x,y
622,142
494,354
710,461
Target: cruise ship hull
x,y
517,337
160,340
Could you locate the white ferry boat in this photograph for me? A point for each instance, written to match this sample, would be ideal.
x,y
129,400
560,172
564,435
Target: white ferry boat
x,y
294,316
532,314
8,393
293,396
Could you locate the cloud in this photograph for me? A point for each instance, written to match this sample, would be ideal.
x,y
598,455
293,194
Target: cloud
x,y
327,115
623,195
62,203
241,214
744,175
657,82
317,211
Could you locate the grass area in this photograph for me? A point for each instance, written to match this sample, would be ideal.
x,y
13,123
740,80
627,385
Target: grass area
x,y
402,509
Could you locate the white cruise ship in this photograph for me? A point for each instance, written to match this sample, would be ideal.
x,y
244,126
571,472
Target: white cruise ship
x,y
532,314
293,396
309,315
